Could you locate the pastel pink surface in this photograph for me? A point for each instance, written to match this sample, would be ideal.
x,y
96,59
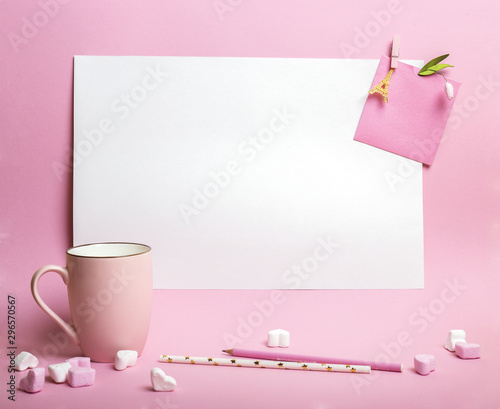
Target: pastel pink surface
x,y
461,221
33,382
467,350
412,122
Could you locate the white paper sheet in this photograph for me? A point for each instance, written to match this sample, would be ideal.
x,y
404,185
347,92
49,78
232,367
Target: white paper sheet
x,y
243,173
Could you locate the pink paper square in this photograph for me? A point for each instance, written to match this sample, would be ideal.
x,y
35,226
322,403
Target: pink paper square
x,y
412,122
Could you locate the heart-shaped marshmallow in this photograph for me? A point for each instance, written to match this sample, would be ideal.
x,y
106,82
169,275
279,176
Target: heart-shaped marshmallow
x,y
162,382
425,363
25,360
34,381
124,359
59,372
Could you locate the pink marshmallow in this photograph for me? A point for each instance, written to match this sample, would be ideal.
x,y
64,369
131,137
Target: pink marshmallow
x,y
466,350
34,381
79,361
424,363
78,376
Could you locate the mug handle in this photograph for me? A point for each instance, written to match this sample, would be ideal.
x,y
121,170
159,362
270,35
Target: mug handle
x,y
63,272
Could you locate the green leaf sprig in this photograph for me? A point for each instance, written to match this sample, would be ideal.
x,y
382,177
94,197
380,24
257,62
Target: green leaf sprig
x,y
433,66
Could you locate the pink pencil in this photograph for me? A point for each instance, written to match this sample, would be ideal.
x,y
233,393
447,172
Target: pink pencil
x,y
279,356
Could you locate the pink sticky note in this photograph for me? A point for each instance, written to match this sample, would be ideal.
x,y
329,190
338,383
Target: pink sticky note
x,y
412,122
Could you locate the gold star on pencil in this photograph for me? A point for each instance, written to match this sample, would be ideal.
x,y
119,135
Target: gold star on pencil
x,y
215,363
209,359
329,368
348,366
186,358
192,361
233,361
256,363
280,364
304,366
353,369
238,365
169,359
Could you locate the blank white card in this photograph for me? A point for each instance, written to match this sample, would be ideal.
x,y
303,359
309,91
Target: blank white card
x,y
242,173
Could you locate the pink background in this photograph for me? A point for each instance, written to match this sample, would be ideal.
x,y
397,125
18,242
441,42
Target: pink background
x,y
461,208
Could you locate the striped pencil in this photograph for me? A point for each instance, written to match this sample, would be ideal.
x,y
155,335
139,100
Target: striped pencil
x,y
263,363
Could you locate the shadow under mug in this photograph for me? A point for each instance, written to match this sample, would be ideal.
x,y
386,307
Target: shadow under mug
x,y
110,294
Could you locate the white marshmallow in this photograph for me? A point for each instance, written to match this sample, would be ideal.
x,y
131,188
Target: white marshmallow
x,y
454,336
59,372
25,360
162,382
124,359
273,338
278,338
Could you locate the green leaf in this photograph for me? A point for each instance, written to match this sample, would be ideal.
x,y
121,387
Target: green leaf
x,y
433,62
434,69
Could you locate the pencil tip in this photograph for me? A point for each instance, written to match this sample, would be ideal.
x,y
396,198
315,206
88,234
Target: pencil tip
x,y
228,351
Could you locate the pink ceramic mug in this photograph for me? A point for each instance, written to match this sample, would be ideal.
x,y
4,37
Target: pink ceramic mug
x,y
110,292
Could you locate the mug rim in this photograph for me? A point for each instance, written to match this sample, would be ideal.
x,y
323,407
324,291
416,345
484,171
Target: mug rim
x,y
146,249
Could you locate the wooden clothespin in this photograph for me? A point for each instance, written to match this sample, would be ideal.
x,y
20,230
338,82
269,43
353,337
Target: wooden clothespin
x,y
395,51
383,87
